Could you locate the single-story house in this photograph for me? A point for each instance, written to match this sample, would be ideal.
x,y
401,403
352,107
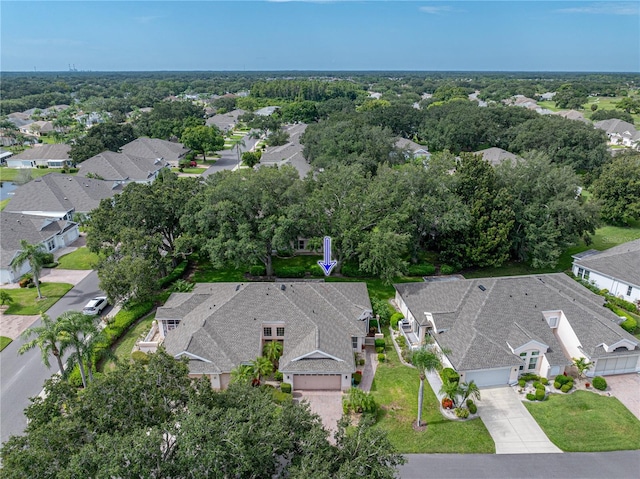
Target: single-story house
x,y
573,115
291,153
5,155
60,196
619,132
220,326
494,329
122,168
37,128
51,156
267,111
155,148
411,148
495,155
52,234
225,121
616,269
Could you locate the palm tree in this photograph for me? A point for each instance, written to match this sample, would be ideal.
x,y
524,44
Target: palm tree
x,y
261,366
242,374
451,390
272,351
424,360
582,365
36,256
78,331
239,143
469,390
48,339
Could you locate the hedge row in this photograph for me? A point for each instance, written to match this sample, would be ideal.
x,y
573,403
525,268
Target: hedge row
x,y
177,273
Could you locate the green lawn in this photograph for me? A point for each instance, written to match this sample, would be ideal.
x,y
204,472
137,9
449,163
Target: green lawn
x,y
205,273
395,388
604,103
81,258
137,331
10,174
4,342
26,302
4,203
586,422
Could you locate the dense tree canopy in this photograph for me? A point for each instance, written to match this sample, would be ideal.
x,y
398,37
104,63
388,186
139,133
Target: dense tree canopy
x,y
618,189
101,137
169,119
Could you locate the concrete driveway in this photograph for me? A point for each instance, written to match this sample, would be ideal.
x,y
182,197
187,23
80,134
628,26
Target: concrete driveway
x,y
626,387
512,428
326,404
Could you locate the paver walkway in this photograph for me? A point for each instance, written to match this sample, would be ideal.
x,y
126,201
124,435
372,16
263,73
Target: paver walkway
x,y
626,387
512,428
369,369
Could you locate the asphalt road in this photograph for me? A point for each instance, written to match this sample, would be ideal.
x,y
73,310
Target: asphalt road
x,y
22,377
229,158
617,464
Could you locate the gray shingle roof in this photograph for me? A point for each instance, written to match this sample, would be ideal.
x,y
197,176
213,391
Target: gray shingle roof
x,y
614,125
121,166
621,262
289,154
56,192
35,229
222,324
155,148
226,120
481,325
45,152
495,155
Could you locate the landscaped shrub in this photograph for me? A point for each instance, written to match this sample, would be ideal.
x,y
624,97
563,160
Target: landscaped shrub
x,y
351,270
285,388
447,269
562,379
424,269
531,397
395,319
537,384
540,394
316,270
291,271
462,412
277,376
449,375
566,387
447,403
379,350
472,406
557,385
530,377
544,381
382,310
140,357
357,377
177,272
599,383
381,357
258,270
626,305
522,383
359,401
629,325
182,286
373,323
402,341
50,265
380,343
280,397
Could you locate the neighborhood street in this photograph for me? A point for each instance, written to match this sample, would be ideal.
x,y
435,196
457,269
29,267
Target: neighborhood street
x,y
229,158
22,377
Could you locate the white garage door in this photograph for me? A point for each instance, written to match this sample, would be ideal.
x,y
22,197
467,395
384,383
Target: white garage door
x,y
619,365
327,382
488,377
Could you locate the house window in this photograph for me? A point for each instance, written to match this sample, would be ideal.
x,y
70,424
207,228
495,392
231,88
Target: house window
x,y
629,289
586,274
523,356
280,331
170,324
51,245
580,272
300,244
533,360
266,332
354,342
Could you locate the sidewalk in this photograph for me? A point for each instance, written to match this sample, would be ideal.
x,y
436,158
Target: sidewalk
x,y
370,366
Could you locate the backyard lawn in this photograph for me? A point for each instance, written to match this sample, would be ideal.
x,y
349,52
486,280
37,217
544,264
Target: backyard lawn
x,y
10,174
25,302
586,422
125,345
395,389
81,258
4,342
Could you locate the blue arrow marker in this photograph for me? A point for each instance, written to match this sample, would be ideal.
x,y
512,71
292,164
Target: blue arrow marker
x,y
327,265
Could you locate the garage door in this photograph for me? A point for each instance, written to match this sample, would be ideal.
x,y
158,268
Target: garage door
x,y
620,365
310,382
488,377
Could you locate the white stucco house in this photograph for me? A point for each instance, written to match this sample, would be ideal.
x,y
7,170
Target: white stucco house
x,y
51,233
499,328
616,270
220,326
51,156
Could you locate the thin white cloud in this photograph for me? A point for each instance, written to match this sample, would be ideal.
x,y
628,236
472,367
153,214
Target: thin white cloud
x,y
148,19
436,9
612,8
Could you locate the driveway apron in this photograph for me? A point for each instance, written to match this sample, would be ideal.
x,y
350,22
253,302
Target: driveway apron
x,y
626,387
512,428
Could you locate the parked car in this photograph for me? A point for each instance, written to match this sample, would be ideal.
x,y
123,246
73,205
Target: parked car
x,y
95,306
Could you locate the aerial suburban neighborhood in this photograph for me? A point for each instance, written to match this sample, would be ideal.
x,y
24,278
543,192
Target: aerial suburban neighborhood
x,y
307,272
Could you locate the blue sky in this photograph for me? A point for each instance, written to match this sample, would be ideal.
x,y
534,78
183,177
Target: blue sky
x,y
320,35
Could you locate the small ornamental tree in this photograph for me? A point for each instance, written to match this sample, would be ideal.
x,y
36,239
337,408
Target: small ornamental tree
x,y
582,365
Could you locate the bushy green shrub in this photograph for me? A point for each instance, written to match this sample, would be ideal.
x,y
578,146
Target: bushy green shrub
x,y
258,270
472,406
316,270
544,381
448,269
629,325
373,323
424,269
281,397
537,384
290,271
540,394
277,376
402,342
562,379
359,401
47,258
351,270
50,265
381,357
566,387
626,305
531,397
380,343
379,350
557,385
182,286
140,357
177,273
599,383
449,375
395,319
357,377
530,377
382,309
522,383
285,388
461,412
